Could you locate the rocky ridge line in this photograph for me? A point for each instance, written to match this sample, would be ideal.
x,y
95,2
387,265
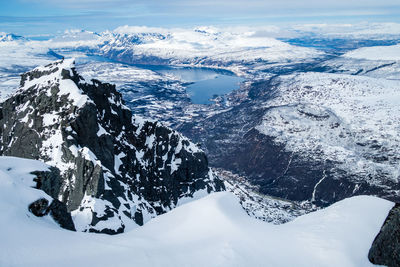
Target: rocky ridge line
x,y
112,169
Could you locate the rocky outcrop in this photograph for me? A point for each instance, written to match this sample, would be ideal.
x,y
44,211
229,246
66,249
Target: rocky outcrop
x,y
56,209
110,168
385,249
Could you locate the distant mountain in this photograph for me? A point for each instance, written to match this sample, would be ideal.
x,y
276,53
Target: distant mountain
x,y
9,37
111,169
202,46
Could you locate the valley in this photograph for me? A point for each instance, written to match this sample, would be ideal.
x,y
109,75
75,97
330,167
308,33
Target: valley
x,y
183,134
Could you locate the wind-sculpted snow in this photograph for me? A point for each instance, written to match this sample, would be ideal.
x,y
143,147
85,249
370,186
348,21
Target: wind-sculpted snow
x,y
116,170
211,231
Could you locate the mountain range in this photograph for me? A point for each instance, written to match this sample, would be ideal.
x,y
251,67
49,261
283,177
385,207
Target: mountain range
x,y
115,141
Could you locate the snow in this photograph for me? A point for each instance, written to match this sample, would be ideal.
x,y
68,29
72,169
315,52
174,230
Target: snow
x,y
48,119
196,195
83,216
336,114
262,207
211,231
150,141
101,131
205,46
376,53
175,162
68,87
118,161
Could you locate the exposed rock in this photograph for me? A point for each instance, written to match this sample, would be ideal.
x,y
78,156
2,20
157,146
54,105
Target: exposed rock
x,y
385,249
110,168
39,207
56,209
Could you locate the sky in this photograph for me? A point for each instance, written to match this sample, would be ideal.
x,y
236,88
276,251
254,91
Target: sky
x,y
43,17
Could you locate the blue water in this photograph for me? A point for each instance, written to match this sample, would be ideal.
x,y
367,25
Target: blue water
x,y
202,83
205,83
200,92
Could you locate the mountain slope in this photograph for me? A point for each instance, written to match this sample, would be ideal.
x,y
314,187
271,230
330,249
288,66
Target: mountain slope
x,y
212,231
115,170
311,136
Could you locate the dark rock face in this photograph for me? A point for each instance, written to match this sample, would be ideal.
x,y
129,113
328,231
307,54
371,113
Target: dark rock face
x,y
56,209
385,249
110,167
39,207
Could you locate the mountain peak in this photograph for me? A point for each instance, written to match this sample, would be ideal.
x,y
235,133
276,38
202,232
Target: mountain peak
x,y
9,37
114,170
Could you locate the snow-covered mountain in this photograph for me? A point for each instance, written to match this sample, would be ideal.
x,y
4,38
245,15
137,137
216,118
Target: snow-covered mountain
x,y
9,37
203,46
310,136
212,231
312,124
112,170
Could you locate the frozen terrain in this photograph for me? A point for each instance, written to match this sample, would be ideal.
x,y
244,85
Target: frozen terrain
x,y
391,53
202,46
212,231
351,120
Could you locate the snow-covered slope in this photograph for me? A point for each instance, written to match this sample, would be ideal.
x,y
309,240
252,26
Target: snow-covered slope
x,y
341,115
391,53
212,231
349,120
266,208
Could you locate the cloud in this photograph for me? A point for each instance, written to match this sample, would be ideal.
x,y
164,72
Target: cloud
x,y
100,15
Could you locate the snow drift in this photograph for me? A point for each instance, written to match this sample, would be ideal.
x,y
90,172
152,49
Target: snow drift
x,y
212,231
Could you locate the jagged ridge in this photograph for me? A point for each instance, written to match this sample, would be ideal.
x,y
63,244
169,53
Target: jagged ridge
x,y
113,168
